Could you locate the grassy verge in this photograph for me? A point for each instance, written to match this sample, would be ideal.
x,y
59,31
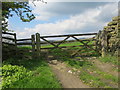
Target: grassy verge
x,y
109,59
94,77
40,75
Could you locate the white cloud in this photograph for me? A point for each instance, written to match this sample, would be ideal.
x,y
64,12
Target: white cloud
x,y
59,9
108,11
90,21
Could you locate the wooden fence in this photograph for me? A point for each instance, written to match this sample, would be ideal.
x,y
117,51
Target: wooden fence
x,y
11,37
36,41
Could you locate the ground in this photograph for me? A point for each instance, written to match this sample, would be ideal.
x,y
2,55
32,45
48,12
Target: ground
x,y
96,75
56,69
66,77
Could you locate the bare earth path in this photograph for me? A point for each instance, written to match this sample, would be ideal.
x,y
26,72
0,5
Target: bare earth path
x,y
66,77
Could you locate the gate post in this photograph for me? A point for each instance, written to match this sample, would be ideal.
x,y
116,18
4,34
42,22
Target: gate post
x,y
38,43
33,45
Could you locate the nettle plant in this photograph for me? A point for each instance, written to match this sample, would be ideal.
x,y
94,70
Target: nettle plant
x,y
11,74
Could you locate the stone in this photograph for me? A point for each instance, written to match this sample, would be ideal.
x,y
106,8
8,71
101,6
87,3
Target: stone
x,y
112,23
70,71
74,69
78,71
54,62
116,18
50,57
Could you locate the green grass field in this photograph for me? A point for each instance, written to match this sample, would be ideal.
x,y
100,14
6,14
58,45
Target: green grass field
x,y
67,44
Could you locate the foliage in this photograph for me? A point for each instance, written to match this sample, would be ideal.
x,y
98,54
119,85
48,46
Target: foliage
x,y
41,75
42,78
22,9
11,74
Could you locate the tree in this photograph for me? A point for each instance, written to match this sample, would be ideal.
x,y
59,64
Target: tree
x,y
22,9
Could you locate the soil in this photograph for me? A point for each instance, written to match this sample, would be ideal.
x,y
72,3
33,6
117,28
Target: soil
x,y
67,78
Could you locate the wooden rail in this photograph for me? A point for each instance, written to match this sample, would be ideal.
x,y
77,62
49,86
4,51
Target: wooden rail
x,y
14,40
8,33
69,35
68,41
66,46
8,38
25,43
24,39
8,43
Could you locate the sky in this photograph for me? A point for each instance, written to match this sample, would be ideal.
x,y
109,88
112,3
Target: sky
x,y
58,18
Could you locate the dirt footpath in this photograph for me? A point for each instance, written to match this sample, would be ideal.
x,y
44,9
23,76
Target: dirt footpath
x,y
67,78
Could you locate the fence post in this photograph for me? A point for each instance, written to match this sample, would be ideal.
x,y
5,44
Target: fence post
x,y
104,43
15,40
33,45
38,43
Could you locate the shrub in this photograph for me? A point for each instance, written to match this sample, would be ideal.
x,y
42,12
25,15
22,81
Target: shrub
x,y
11,74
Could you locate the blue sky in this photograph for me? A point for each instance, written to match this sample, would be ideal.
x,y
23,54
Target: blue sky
x,y
65,18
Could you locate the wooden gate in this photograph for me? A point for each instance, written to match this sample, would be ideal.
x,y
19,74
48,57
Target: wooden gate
x,y
82,47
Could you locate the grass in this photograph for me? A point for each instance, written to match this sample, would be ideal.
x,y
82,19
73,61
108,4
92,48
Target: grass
x,y
42,76
68,44
109,59
25,47
91,80
96,78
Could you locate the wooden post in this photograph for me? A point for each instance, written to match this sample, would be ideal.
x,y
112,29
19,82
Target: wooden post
x,y
104,43
38,43
33,46
15,40
100,39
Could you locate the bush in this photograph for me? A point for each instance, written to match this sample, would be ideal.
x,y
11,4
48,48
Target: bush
x,y
11,74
